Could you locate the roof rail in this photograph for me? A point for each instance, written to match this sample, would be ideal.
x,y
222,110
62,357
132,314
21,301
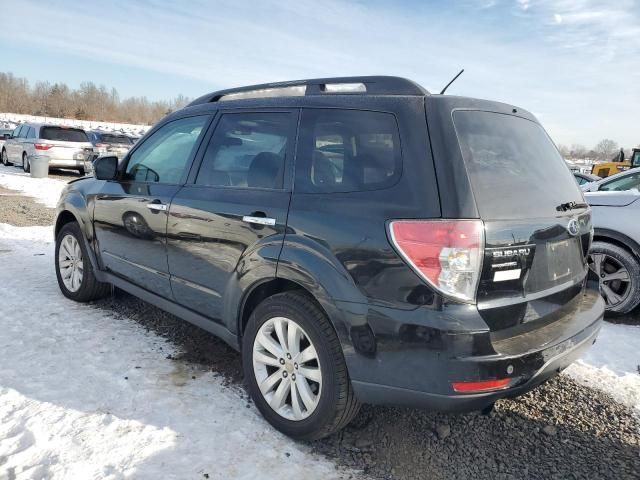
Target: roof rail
x,y
370,85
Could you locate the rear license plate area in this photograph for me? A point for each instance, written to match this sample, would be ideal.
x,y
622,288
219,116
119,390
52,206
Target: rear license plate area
x,y
559,257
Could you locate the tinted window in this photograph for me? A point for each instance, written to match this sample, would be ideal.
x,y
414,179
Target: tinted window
x,y
627,182
247,150
514,168
22,131
62,134
347,150
31,133
114,139
164,155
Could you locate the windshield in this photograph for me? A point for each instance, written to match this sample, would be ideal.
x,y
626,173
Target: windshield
x,y
514,168
62,134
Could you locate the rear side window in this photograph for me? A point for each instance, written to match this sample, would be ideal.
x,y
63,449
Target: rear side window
x,y
347,151
247,150
61,134
514,168
31,133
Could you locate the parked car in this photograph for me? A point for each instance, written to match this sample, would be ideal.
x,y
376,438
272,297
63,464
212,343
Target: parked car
x,y
106,143
615,254
64,147
583,178
627,180
388,264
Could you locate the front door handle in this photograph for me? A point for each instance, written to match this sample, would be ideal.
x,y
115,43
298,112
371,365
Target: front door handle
x,y
157,207
259,220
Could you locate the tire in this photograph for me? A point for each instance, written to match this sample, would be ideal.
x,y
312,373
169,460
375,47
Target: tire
x,y
336,403
81,172
88,287
608,264
26,166
5,158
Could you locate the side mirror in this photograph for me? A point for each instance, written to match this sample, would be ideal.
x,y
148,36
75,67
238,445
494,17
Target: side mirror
x,y
105,168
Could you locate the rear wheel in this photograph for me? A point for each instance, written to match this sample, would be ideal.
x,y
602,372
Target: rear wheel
x,y
295,368
74,271
5,158
618,275
25,163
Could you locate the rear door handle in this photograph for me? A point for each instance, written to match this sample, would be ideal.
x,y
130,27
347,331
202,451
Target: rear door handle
x,y
157,207
259,220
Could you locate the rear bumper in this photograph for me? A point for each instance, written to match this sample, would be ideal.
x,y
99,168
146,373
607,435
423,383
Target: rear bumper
x,y
60,163
420,377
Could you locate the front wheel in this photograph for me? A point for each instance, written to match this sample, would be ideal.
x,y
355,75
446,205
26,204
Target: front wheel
x,y
74,271
618,274
295,368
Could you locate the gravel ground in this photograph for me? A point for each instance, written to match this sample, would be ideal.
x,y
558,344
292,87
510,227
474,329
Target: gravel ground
x,y
560,430
22,211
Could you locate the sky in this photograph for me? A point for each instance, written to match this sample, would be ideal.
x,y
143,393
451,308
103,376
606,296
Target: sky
x,y
574,63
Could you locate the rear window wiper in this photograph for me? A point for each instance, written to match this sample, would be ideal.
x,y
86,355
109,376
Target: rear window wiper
x,y
564,207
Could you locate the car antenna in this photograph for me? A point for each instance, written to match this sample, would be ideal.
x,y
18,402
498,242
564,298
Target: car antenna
x,y
452,80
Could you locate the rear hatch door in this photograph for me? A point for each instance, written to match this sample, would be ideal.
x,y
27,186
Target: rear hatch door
x,y
537,225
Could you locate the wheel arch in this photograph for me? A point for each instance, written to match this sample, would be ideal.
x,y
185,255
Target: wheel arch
x,y
619,239
68,215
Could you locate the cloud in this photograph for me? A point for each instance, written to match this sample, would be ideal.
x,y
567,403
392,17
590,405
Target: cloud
x,y
580,77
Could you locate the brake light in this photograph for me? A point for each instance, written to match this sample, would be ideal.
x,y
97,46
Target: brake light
x,y
481,386
445,253
42,146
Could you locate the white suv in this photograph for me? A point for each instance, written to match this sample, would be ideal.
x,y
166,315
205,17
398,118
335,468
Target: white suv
x,y
64,147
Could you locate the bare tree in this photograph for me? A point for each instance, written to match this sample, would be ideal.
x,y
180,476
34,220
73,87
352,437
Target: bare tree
x,y
578,151
606,149
88,102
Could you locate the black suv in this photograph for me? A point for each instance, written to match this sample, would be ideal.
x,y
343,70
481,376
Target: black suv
x,y
357,239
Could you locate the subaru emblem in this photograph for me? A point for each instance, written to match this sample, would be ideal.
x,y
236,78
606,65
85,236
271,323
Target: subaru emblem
x,y
573,227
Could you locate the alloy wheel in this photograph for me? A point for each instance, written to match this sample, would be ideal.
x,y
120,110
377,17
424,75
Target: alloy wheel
x,y
70,263
287,368
613,278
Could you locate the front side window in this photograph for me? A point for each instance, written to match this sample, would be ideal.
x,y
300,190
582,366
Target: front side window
x,y
247,150
164,156
347,150
627,182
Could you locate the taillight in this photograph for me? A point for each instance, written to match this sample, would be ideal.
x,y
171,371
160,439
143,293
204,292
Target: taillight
x,y
481,385
102,145
446,253
42,146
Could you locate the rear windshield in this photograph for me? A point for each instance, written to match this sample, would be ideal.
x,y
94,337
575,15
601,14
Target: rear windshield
x,y
115,139
63,134
514,168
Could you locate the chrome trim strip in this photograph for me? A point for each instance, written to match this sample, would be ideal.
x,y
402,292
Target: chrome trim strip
x,y
259,220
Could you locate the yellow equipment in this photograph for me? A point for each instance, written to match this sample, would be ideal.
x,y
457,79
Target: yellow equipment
x,y
605,169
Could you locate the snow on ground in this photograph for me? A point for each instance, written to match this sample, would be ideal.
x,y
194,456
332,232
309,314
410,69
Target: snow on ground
x,y
612,364
44,190
87,395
